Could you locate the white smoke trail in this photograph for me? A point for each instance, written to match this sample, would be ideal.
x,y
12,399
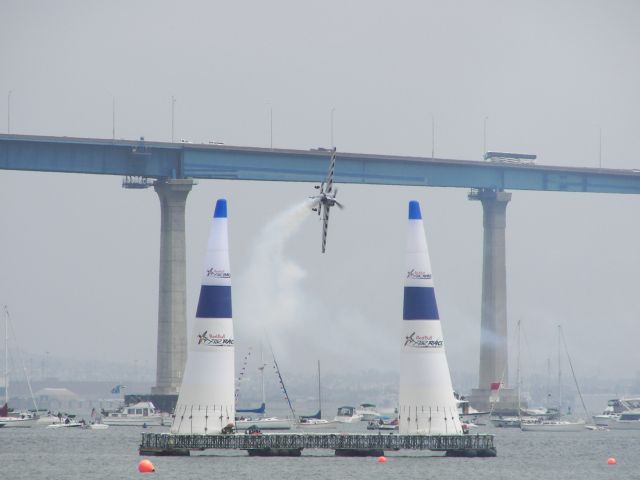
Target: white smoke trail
x,y
270,288
301,327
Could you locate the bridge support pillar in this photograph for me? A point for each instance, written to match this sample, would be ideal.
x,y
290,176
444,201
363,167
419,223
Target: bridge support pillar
x,y
493,324
172,301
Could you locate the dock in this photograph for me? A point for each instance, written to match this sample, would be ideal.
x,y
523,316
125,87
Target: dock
x,y
292,444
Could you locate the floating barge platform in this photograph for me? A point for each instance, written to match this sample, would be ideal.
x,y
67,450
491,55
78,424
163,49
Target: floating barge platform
x,y
292,444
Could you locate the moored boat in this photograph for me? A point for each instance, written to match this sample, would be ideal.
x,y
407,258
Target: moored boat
x,y
347,415
384,424
506,422
313,423
368,412
137,415
627,421
553,426
615,408
268,423
68,423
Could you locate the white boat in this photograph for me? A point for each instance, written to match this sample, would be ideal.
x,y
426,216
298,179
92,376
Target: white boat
x,y
627,421
506,422
13,419
66,424
138,415
368,412
316,421
382,424
553,426
47,419
269,423
313,423
262,422
18,422
96,426
468,414
347,415
614,409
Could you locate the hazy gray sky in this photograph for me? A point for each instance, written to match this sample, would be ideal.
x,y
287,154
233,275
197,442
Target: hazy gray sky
x,y
79,255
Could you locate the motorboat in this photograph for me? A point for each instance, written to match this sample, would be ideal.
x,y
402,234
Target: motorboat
x,y
17,419
468,414
266,423
383,424
67,423
96,426
347,415
614,409
47,419
368,412
506,422
140,414
628,421
18,422
552,426
312,423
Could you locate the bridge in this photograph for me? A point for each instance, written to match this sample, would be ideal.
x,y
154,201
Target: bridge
x,y
171,169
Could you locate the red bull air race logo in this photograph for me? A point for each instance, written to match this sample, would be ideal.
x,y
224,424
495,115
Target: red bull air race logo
x,y
214,339
414,274
212,272
422,341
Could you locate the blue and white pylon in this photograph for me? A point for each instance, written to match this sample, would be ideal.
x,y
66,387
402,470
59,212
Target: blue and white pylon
x,y
427,403
206,403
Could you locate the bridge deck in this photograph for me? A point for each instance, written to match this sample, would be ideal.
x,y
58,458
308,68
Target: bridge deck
x,y
462,445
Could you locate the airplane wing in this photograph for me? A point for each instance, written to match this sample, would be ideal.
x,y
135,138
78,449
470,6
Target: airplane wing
x,y
332,165
325,226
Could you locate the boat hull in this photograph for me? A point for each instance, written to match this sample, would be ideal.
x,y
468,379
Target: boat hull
x,y
18,422
151,421
352,419
553,427
625,425
604,420
316,425
264,424
506,422
65,425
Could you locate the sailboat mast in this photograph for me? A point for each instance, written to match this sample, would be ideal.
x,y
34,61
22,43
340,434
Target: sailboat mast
x,y
6,355
547,403
559,371
319,392
262,365
518,370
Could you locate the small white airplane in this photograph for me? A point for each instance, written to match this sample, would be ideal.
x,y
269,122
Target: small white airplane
x,y
326,198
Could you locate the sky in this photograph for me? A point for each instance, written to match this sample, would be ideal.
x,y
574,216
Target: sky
x,y
79,255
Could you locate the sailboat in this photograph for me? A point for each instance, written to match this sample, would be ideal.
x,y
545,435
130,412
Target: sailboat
x,y
316,420
262,422
557,425
21,420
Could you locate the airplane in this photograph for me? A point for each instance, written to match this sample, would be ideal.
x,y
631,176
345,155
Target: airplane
x,y
326,198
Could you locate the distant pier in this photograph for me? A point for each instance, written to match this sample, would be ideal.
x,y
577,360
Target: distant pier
x,y
292,444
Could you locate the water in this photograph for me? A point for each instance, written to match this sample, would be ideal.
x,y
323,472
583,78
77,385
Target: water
x,y
74,454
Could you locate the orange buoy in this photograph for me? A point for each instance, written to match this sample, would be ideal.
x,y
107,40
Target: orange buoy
x,y
611,461
145,466
382,459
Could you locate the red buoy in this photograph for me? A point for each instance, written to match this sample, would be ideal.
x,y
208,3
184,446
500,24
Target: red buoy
x,y
612,461
145,466
382,459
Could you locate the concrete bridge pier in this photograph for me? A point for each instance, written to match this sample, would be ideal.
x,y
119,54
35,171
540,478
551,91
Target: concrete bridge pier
x,y
493,367
172,300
